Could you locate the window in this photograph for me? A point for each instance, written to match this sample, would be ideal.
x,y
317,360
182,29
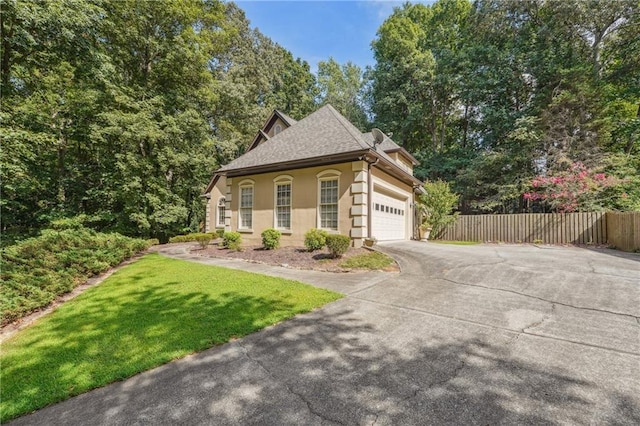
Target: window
x,y
283,205
246,207
221,212
329,204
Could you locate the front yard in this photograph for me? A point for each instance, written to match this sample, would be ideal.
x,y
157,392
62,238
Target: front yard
x,y
299,257
150,312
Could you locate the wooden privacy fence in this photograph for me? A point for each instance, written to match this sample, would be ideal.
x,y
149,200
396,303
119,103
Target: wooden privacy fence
x,y
547,228
623,230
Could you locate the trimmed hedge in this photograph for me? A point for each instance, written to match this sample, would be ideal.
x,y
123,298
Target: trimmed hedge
x,y
232,240
37,270
187,238
270,238
338,244
315,239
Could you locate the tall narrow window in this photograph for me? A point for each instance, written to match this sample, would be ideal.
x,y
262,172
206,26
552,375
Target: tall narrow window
x,y
283,205
329,204
246,207
221,212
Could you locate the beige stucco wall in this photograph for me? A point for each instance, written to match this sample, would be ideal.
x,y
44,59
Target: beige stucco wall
x,y
304,213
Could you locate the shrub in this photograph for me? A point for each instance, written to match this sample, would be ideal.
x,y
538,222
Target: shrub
x,y
271,238
437,204
315,239
232,240
153,242
187,238
338,244
37,270
219,233
204,240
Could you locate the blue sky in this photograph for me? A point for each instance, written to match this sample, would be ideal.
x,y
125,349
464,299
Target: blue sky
x,y
316,30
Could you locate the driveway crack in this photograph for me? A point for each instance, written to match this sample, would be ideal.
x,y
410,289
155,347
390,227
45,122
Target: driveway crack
x,y
299,395
539,323
584,308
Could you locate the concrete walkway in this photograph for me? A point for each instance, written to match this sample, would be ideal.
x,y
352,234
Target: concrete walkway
x,y
464,335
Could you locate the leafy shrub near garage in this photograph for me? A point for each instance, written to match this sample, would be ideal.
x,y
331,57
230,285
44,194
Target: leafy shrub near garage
x,y
37,270
338,244
271,238
232,240
315,239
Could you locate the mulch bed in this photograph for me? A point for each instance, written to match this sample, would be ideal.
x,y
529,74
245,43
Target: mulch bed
x,y
288,257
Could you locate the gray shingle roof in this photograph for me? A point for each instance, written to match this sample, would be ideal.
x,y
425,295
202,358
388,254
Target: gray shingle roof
x,y
323,133
387,145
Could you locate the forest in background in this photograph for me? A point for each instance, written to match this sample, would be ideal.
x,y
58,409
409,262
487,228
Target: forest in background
x,y
121,110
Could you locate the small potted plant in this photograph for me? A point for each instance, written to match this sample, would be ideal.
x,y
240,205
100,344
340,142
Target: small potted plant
x,y
370,242
425,231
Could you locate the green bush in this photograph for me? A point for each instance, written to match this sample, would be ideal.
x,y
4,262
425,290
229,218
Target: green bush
x,y
37,270
153,242
315,239
219,233
232,240
338,244
271,238
204,240
187,238
436,205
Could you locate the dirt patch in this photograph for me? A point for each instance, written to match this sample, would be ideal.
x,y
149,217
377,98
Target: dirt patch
x,y
288,257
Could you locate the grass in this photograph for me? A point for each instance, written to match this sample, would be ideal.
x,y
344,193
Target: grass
x,y
373,260
148,313
456,243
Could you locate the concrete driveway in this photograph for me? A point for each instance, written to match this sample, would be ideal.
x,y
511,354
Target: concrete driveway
x,y
484,334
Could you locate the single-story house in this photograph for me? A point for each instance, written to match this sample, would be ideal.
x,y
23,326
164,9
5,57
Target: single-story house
x,y
319,172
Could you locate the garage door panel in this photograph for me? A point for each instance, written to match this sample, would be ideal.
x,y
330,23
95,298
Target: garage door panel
x,y
389,217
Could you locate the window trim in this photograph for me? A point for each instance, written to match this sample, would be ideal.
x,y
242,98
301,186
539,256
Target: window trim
x,y
277,181
222,201
247,183
324,176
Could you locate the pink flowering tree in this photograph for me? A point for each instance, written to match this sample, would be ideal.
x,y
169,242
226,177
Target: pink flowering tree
x,y
576,189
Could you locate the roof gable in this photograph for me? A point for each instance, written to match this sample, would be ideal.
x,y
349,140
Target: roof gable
x,y
262,134
320,134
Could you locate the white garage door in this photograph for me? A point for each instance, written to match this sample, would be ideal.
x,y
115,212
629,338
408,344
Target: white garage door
x,y
389,217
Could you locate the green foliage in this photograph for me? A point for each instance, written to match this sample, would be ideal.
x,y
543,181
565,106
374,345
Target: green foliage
x,y
219,233
315,239
187,238
343,88
124,114
338,244
204,240
271,238
437,204
160,307
232,240
374,260
37,270
490,94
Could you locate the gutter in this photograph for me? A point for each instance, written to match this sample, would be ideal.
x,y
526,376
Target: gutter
x,y
369,192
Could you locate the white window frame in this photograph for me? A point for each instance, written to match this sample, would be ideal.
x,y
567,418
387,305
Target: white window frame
x,y
280,181
221,207
248,183
324,176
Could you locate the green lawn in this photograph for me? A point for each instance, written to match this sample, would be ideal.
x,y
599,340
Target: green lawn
x,y
148,313
373,260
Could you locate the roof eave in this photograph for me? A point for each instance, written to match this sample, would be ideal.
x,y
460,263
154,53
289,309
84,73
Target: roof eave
x,y
288,165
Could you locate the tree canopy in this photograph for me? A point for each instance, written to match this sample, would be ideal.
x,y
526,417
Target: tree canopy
x,y
121,109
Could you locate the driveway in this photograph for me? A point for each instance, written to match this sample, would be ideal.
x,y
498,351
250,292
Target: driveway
x,y
487,334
